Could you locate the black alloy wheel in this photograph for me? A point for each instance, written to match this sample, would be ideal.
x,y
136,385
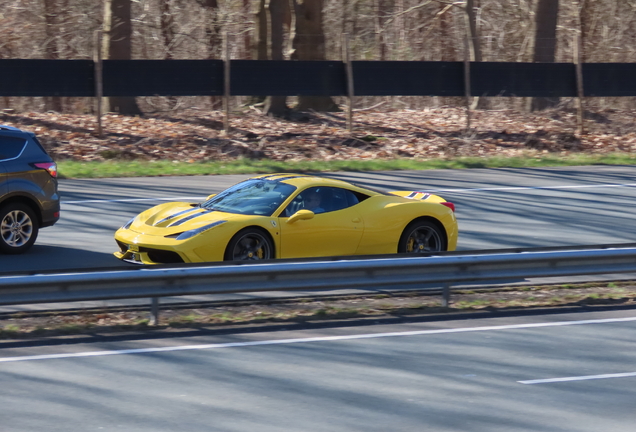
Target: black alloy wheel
x,y
18,228
251,244
422,237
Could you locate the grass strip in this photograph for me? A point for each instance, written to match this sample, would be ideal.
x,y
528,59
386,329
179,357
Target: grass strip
x,y
140,168
23,326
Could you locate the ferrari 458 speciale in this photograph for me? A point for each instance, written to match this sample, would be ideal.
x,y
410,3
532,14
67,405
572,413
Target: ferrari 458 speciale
x,y
289,216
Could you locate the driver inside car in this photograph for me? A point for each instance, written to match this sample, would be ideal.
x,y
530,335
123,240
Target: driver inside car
x,y
313,201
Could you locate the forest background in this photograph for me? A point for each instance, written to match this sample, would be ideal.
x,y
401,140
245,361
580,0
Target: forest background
x,y
189,129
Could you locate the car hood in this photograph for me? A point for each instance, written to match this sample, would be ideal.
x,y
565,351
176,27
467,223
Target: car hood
x,y
173,218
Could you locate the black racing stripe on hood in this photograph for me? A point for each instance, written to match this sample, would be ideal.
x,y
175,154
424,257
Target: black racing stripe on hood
x,y
176,215
188,218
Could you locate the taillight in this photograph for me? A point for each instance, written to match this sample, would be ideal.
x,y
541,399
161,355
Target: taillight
x,y
51,167
450,205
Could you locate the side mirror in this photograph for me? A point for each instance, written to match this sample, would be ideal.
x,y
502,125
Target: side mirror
x,y
300,215
211,196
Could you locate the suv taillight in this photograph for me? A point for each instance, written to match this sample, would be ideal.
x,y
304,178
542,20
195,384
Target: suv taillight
x,y
51,167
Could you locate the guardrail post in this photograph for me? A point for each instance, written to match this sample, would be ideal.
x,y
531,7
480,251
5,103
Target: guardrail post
x,y
446,295
154,312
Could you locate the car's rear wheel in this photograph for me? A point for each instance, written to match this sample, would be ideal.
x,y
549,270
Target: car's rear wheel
x,y
250,244
422,237
18,228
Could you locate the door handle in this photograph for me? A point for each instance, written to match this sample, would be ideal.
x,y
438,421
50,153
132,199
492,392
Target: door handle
x,y
355,220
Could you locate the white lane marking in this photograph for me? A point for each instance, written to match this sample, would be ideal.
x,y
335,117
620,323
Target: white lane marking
x,y
493,189
579,378
311,339
134,200
513,188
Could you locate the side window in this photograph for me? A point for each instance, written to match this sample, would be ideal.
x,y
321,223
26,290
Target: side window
x,y
11,147
310,199
322,200
341,199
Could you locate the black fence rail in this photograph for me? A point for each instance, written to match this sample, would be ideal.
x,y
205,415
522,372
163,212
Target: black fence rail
x,y
19,77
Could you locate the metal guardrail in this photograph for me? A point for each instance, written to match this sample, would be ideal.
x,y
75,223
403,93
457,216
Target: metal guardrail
x,y
384,273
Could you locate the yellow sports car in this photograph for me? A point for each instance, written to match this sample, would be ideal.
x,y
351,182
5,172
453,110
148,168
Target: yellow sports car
x,y
289,216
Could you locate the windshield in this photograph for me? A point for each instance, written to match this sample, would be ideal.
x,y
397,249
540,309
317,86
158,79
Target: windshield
x,y
251,197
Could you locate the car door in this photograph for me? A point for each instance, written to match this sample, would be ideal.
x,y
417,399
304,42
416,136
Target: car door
x,y
335,230
4,176
3,179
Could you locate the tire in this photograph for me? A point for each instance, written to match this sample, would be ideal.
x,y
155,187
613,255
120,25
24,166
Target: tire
x,y
19,228
422,237
250,244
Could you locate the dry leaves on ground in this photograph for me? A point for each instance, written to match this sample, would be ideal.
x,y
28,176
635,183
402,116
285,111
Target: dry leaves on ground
x,y
195,135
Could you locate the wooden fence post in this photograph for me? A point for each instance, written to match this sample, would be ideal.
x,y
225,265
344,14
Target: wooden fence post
x,y
577,48
467,81
99,83
349,73
226,83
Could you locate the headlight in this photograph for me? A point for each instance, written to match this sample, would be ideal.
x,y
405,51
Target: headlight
x,y
191,233
129,223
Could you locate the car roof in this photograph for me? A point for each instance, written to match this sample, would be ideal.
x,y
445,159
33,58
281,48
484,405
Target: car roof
x,y
10,128
303,181
15,131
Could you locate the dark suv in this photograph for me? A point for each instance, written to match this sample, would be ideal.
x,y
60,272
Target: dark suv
x,y
28,190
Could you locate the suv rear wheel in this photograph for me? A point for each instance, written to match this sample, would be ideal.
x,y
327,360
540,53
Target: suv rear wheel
x,y
18,228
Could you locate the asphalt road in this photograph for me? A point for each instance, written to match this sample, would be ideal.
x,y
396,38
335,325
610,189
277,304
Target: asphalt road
x,y
571,372
496,208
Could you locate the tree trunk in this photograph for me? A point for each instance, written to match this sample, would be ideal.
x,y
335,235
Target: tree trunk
x,y
475,46
168,28
545,45
247,36
214,40
259,43
51,13
168,33
117,46
309,44
447,43
380,36
276,105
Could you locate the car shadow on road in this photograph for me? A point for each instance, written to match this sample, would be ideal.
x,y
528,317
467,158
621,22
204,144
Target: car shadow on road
x,y
46,259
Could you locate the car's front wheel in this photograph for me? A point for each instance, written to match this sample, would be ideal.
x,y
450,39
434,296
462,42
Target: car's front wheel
x,y
422,237
250,244
18,228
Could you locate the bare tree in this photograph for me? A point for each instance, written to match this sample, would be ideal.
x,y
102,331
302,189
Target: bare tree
x,y
277,11
259,43
545,44
168,27
474,44
213,38
51,18
117,46
309,44
382,7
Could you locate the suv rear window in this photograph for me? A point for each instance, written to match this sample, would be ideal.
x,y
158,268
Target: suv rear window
x,y
11,147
